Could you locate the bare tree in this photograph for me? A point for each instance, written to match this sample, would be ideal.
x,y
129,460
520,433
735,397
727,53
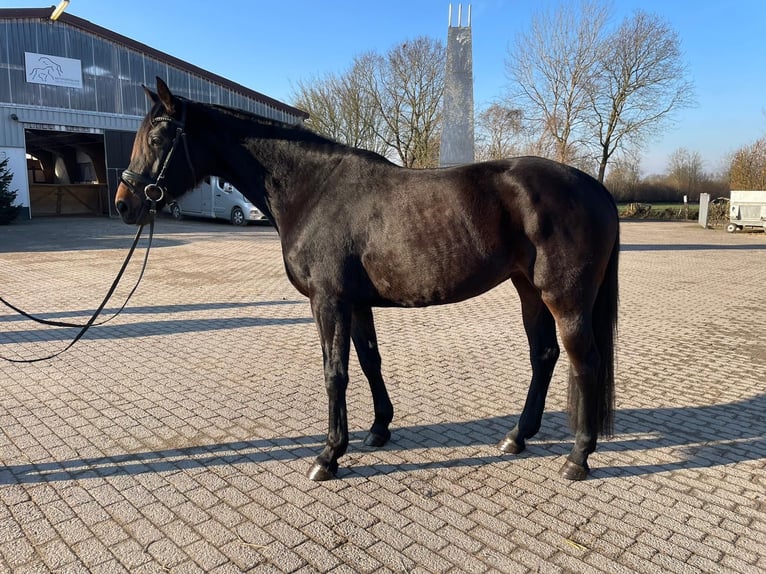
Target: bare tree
x,y
641,82
389,104
748,166
498,133
554,67
685,172
321,98
624,177
408,86
590,93
340,106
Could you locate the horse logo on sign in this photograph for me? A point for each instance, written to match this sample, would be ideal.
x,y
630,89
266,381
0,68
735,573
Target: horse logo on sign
x,y
53,70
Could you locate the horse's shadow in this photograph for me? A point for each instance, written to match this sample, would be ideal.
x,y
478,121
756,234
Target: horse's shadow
x,y
699,437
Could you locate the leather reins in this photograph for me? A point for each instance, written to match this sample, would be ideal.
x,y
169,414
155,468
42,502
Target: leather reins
x,y
92,321
153,194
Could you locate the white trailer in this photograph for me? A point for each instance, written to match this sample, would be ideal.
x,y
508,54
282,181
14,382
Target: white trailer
x,y
747,209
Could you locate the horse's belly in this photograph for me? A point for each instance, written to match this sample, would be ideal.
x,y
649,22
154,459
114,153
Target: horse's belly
x,y
433,276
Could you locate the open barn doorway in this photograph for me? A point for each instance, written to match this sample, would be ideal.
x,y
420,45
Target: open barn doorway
x,y
67,172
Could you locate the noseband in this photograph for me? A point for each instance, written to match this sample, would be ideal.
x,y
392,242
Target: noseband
x,y
154,192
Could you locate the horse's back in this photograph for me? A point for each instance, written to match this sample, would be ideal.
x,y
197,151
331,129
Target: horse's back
x,y
449,234
542,187
537,201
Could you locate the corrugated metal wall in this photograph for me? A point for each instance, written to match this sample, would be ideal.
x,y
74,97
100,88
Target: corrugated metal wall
x,y
112,75
12,132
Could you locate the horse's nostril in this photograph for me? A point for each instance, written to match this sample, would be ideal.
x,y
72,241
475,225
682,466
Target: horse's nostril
x,y
122,207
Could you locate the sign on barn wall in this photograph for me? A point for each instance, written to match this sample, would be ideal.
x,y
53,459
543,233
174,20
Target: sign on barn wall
x,y
53,70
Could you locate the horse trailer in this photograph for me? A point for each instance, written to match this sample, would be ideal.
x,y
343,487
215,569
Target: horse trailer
x,y
747,209
217,199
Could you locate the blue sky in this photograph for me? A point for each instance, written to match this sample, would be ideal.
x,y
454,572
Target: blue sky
x,y
269,46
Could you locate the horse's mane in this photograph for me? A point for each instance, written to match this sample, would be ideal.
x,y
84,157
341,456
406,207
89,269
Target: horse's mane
x,y
282,129
289,132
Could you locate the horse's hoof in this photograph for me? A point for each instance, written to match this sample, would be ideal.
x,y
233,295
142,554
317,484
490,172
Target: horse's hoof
x,y
510,446
319,473
376,439
573,471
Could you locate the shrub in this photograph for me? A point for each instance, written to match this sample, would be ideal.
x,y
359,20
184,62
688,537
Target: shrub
x,y
676,211
8,211
718,212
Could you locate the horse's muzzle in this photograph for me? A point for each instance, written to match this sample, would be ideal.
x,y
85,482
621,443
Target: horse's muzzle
x,y
131,207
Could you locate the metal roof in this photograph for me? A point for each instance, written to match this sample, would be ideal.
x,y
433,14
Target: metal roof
x,y
87,26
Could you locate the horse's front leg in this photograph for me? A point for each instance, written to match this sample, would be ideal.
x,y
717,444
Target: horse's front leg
x,y
333,319
366,345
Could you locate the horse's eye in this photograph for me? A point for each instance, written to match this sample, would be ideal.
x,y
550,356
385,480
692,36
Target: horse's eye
x,y
155,140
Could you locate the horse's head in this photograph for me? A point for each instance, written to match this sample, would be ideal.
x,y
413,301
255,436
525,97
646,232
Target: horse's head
x,y
160,167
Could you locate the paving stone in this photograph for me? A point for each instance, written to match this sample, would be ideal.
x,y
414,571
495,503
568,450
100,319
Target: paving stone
x,y
177,436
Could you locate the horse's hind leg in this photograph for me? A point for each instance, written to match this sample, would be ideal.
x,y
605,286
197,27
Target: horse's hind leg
x,y
366,345
584,359
543,353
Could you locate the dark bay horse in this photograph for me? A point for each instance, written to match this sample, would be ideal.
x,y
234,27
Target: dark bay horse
x,y
359,232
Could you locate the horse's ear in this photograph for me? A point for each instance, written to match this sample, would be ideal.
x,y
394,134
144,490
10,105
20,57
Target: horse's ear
x,y
165,96
152,96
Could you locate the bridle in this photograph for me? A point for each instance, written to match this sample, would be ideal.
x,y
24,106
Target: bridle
x,y
154,192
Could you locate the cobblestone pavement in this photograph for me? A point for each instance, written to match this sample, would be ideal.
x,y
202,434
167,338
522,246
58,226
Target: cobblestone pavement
x,y
176,437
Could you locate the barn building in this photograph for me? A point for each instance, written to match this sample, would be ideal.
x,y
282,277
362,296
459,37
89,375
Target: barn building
x,y
71,102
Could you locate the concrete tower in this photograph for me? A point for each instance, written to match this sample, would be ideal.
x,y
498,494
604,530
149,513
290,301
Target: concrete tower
x,y
457,131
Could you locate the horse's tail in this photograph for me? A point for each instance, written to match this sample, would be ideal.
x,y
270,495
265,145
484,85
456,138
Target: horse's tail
x,y
605,334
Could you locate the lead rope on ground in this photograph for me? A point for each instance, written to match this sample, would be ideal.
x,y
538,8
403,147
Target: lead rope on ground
x,y
92,321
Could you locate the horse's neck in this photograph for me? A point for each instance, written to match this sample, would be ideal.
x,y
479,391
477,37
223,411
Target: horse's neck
x,y
277,173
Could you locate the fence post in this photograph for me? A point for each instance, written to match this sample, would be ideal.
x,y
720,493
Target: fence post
x,y
704,209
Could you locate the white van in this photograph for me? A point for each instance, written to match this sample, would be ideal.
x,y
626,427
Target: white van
x,y
216,198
